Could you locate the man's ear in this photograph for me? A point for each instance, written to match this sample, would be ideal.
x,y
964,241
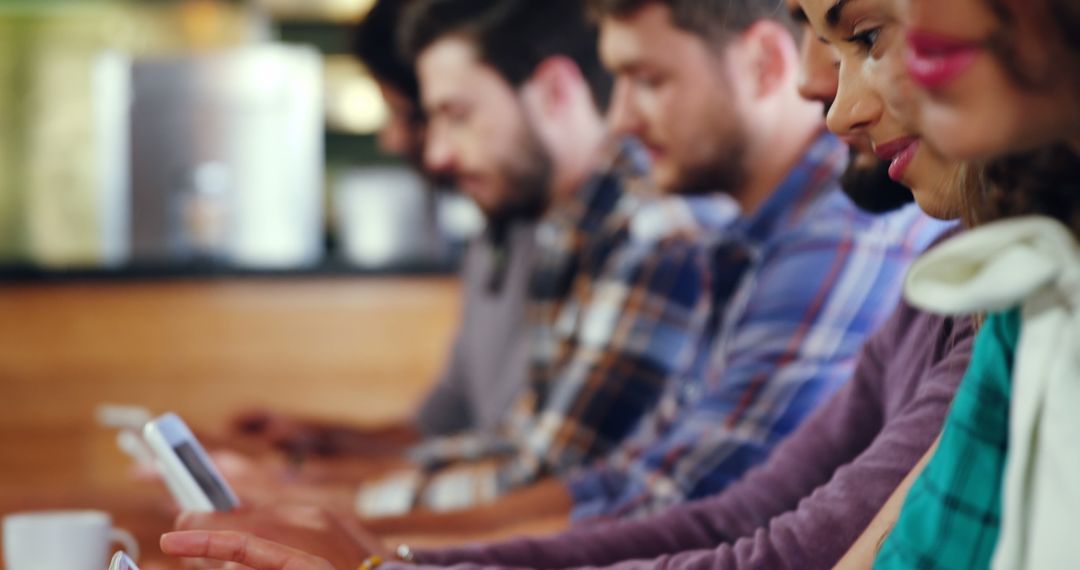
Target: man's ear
x,y
555,84
772,56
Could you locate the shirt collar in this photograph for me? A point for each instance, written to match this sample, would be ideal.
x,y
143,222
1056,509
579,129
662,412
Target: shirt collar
x,y
685,216
619,169
816,173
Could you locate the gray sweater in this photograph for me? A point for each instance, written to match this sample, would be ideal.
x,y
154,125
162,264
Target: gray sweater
x,y
489,360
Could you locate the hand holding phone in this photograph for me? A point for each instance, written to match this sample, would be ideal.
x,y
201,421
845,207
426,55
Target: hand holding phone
x,y
192,478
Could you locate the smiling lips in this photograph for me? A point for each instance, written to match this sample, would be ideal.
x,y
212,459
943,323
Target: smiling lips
x,y
900,153
934,60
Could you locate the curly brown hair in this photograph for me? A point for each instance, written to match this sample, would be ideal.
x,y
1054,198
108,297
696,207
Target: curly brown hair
x,y
1057,22
1045,181
1042,182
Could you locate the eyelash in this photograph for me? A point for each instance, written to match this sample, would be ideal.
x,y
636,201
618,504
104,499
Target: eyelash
x,y
866,39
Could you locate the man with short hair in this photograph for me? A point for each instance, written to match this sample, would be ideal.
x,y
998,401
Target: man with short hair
x,y
514,118
488,361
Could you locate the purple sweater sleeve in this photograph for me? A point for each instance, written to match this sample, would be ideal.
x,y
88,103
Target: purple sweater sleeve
x,y
798,510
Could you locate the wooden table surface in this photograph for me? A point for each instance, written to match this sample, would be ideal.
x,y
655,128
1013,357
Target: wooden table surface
x,y
357,349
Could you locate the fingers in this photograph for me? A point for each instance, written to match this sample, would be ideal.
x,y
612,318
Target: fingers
x,y
189,520
250,520
239,548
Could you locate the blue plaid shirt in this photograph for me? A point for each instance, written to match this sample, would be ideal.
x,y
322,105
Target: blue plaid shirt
x,y
822,276
619,296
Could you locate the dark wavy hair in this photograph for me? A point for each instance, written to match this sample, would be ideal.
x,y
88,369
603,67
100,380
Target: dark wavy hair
x,y
375,40
1059,19
1045,181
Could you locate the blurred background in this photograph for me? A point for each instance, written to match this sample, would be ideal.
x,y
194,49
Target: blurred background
x,y
172,133
195,217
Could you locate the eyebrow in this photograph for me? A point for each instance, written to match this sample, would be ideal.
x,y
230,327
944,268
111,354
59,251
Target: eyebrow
x,y
833,15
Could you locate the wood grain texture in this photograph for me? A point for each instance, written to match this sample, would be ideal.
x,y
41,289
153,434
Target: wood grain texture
x,y
351,348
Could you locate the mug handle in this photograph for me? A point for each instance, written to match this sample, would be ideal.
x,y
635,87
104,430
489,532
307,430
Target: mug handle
x,y
125,538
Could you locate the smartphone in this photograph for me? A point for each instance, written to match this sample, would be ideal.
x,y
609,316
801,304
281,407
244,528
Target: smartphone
x,y
121,561
194,481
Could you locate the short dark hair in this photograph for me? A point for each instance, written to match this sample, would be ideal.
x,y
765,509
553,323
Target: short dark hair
x,y
715,21
512,36
375,40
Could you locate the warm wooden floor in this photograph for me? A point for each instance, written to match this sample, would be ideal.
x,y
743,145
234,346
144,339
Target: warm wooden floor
x,y
349,348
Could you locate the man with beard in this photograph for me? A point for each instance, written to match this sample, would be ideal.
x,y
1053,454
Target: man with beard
x,y
620,287
488,361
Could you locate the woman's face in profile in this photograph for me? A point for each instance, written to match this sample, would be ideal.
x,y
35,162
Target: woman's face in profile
x,y
874,95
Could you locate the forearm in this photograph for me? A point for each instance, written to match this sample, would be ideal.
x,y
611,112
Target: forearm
x,y
862,553
536,527
546,500
712,445
764,493
597,544
828,522
392,437
339,439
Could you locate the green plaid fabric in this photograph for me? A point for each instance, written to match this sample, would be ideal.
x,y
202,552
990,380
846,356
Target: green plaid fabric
x,y
952,514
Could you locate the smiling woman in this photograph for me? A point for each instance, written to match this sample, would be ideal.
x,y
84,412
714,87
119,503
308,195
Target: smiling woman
x,y
999,82
1000,76
868,38
1007,76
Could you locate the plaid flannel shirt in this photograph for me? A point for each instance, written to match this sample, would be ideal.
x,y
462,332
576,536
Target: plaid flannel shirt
x,y
614,321
952,514
618,299
823,275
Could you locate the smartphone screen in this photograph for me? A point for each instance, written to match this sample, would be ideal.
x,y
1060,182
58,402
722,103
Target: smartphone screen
x,y
207,481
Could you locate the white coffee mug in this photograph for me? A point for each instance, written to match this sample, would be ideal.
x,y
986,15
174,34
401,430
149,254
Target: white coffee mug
x,y
62,540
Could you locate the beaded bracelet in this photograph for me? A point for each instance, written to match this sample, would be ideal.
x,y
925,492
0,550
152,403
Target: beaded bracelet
x,y
403,554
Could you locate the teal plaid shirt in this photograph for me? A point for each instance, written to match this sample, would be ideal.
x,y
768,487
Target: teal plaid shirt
x,y
952,514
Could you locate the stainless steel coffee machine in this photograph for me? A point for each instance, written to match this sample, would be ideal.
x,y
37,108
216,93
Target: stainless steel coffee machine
x,y
214,157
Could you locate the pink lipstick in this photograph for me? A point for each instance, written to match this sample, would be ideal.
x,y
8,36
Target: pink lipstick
x,y
900,153
934,60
